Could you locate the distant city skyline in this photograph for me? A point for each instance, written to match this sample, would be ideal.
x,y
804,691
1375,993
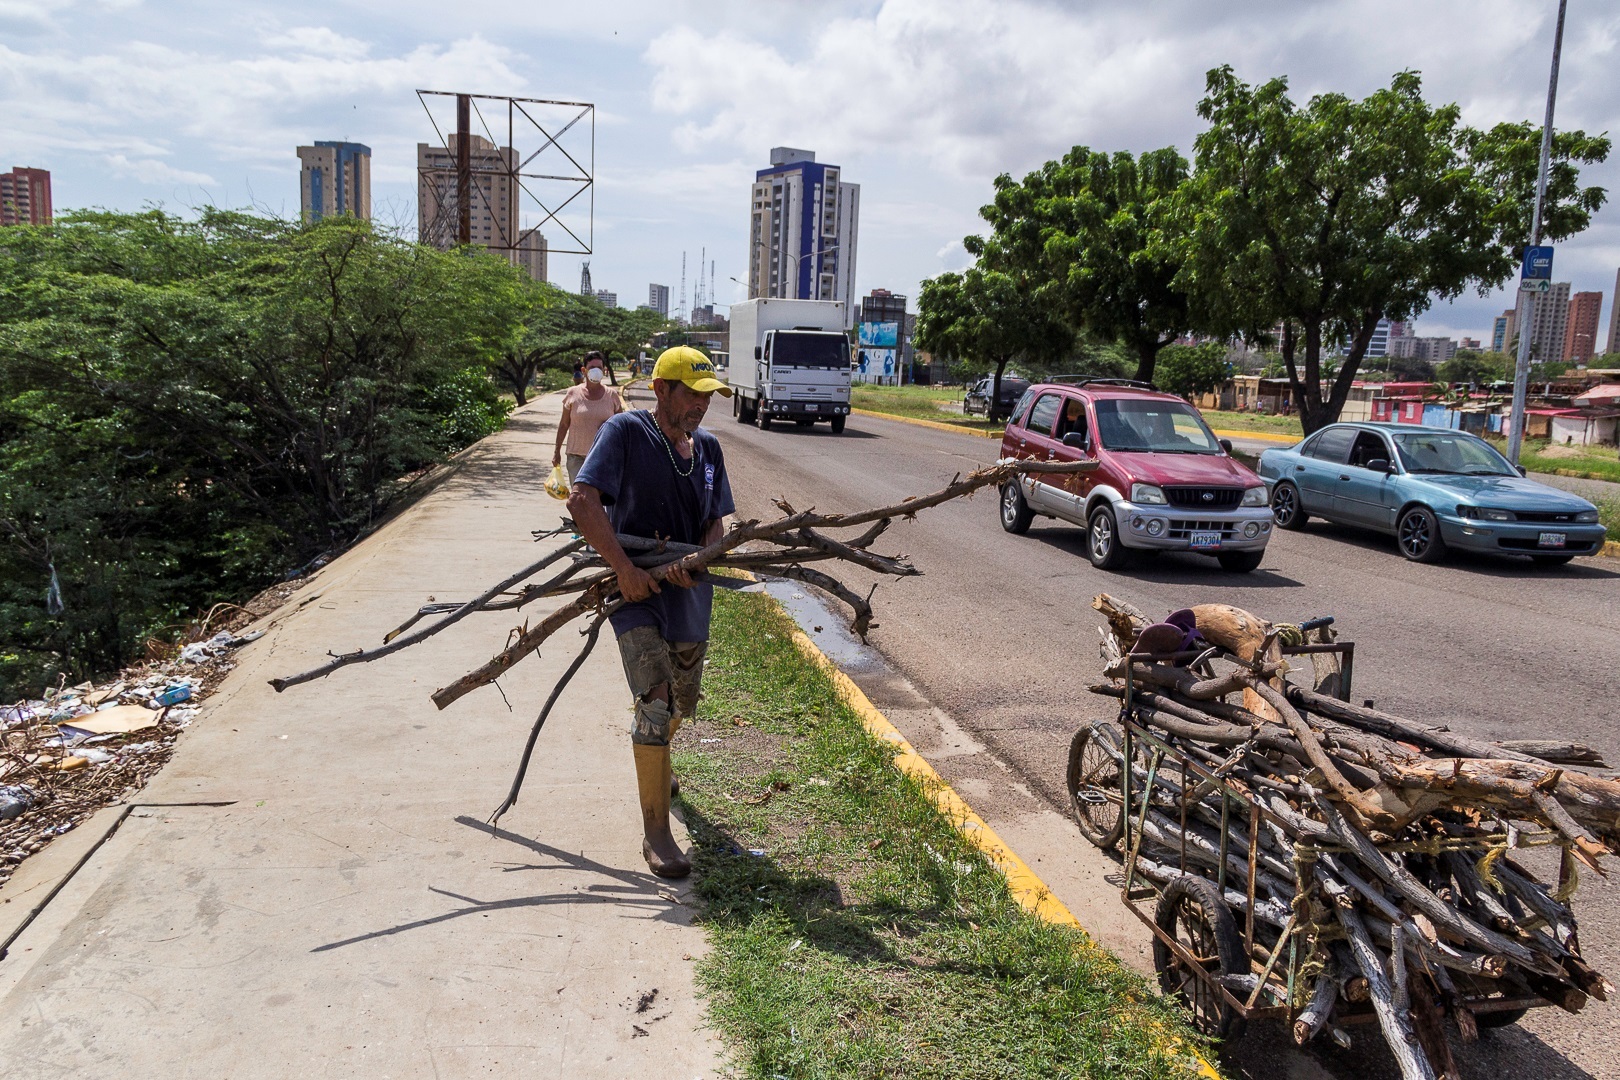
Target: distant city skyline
x,y
147,104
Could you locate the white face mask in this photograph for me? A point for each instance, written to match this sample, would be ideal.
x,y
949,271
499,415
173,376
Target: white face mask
x,y
594,374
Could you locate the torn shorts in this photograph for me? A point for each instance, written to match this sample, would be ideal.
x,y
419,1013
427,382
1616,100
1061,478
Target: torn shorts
x,y
649,661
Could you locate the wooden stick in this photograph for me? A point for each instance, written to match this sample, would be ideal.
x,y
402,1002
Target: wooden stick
x,y
1395,1022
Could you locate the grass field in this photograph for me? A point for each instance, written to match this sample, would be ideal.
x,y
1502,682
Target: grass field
x,y
1259,422
1590,462
853,932
919,403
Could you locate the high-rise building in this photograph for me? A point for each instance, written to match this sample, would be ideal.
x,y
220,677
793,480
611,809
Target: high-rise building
x,y
805,225
492,201
1614,318
25,197
1386,331
1504,330
607,299
336,179
1580,328
531,253
1470,343
1436,350
658,299
1549,318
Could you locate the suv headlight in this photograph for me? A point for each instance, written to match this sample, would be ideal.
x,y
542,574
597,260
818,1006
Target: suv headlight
x,y
1485,513
1587,517
1148,495
1255,496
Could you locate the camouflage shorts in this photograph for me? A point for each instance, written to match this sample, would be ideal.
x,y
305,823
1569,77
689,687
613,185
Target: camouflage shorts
x,y
650,661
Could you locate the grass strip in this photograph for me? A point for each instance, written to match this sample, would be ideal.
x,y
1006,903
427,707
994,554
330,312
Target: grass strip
x,y
866,939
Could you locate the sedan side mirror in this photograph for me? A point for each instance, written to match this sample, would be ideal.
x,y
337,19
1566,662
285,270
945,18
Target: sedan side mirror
x,y
1380,465
1075,439
1521,469
1226,444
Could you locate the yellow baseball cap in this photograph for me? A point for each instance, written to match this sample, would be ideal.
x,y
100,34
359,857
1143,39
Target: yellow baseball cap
x,y
687,365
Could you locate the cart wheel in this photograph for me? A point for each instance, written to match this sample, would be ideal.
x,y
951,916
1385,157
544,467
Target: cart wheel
x,y
1192,912
1093,780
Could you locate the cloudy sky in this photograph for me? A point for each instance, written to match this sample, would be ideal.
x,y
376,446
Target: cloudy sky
x,y
922,102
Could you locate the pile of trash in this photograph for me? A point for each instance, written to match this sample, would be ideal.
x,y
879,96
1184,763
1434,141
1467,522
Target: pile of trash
x,y
79,748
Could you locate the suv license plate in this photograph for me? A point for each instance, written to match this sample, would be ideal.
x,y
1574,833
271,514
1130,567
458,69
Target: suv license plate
x,y
1205,541
1552,540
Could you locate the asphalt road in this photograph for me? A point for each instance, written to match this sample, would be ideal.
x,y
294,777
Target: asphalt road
x,y
1000,634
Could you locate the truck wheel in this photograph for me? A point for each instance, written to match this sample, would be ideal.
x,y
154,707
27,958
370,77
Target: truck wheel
x,y
764,421
740,410
1102,540
838,424
1240,562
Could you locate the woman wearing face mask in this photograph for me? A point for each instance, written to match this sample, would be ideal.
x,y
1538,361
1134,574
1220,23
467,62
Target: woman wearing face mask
x,y
586,408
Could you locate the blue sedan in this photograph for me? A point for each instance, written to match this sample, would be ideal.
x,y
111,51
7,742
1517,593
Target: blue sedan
x,y
1431,488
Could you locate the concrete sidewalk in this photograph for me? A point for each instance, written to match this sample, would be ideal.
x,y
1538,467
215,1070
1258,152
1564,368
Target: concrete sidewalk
x,y
348,914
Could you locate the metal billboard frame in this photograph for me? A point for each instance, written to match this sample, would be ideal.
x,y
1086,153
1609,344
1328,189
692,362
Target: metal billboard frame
x,y
582,176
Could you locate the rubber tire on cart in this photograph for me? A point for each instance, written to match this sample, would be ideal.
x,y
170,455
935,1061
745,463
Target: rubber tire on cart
x,y
1417,534
1192,912
1015,512
1094,771
1240,562
1499,1019
1286,507
838,424
1102,540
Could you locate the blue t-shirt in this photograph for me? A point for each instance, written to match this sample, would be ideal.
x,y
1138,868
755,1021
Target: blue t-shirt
x,y
630,464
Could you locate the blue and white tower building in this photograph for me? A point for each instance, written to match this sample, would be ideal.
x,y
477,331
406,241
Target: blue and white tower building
x,y
805,227
336,180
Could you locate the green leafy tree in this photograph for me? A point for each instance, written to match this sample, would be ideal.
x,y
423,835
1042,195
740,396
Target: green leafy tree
x,y
1325,218
559,327
1190,370
987,319
1091,231
1472,366
189,409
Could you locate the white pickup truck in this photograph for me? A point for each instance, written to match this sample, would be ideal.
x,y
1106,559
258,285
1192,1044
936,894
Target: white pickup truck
x,y
789,361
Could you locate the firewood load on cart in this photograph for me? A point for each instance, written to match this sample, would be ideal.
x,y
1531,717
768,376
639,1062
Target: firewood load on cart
x,y
1326,864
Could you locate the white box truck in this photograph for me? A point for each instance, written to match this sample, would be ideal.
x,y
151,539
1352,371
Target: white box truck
x,y
789,361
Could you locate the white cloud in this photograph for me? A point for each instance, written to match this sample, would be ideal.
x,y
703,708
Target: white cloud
x,y
152,171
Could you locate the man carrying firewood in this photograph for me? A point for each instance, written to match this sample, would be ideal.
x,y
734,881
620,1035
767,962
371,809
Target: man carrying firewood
x,y
658,475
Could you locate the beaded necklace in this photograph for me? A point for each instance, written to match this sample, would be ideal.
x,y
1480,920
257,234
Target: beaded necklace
x,y
670,450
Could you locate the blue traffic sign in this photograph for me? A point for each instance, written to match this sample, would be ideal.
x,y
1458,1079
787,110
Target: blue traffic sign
x,y
1537,264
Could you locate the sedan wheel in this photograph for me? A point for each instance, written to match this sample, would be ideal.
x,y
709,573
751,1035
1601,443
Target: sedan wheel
x,y
1418,535
1285,507
1102,541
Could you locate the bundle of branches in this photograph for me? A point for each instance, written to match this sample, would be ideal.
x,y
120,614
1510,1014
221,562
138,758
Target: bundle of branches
x,y
792,547
1380,849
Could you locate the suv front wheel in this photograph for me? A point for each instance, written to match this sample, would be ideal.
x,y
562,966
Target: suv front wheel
x,y
1102,540
1015,512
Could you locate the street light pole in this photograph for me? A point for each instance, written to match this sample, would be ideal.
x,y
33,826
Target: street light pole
x,y
1526,305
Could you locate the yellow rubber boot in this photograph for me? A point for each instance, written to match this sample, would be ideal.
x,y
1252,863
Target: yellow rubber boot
x,y
664,856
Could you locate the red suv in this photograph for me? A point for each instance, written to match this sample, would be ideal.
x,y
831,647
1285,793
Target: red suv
x,y
1164,482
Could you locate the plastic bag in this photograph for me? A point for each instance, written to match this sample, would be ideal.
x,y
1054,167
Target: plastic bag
x,y
557,483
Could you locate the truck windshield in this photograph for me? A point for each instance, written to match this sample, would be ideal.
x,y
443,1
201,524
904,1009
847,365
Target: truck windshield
x,y
810,350
1161,427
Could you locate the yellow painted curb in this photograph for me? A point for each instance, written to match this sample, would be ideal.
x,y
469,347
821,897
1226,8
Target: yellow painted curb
x,y
938,425
1263,436
1026,887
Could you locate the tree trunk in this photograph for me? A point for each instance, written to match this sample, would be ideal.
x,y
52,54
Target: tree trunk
x,y
993,413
